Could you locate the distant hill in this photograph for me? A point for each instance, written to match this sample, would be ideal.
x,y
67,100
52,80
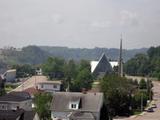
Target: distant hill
x,y
91,54
38,54
28,55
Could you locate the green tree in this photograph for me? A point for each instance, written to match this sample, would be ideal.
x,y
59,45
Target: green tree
x,y
117,93
24,70
70,71
137,65
142,84
42,104
53,65
137,99
84,80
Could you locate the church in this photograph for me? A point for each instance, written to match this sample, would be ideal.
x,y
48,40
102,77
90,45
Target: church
x,y
103,66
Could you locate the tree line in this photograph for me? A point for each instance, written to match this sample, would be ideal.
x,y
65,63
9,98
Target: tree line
x,y
145,64
74,75
124,97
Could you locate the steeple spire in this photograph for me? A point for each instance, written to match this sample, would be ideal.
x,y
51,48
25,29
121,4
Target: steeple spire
x,y
120,69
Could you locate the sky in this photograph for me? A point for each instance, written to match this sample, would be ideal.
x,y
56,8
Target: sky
x,y
80,23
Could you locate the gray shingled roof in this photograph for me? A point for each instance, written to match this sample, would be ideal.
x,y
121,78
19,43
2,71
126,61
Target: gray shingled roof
x,y
89,102
82,116
10,114
15,96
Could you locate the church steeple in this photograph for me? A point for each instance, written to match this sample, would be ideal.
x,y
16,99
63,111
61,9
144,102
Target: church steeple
x,y
120,68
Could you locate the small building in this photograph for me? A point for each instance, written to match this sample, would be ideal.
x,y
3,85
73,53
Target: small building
x,y
39,71
50,86
16,100
10,75
76,106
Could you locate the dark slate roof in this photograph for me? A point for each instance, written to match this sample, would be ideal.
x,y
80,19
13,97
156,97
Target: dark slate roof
x,y
10,114
81,116
89,102
103,66
29,115
15,97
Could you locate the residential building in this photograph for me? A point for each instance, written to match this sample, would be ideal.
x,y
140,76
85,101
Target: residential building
x,y
12,114
39,71
18,114
49,86
76,106
16,100
10,75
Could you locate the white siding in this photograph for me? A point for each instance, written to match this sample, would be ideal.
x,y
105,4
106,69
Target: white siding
x,y
49,87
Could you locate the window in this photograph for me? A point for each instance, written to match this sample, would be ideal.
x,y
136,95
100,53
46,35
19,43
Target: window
x,y
74,106
42,86
54,86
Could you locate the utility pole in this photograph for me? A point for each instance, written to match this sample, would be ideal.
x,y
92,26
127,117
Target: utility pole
x,y
141,102
120,67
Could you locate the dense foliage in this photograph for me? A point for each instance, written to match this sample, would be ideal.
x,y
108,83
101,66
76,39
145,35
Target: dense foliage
x,y
123,96
38,54
42,103
74,76
28,55
145,64
90,54
24,70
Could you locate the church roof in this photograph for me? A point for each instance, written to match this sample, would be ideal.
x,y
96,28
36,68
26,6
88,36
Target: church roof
x,y
102,66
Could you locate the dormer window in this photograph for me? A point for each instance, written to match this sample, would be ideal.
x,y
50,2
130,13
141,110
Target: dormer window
x,y
73,106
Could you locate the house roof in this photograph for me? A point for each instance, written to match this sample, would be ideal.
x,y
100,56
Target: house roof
x,y
50,82
89,102
15,97
32,91
82,116
11,114
11,70
29,115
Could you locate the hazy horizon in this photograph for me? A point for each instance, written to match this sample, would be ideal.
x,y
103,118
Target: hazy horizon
x,y
80,23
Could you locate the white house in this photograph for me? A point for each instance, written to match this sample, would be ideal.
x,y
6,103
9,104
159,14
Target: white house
x,y
49,86
16,100
76,106
10,75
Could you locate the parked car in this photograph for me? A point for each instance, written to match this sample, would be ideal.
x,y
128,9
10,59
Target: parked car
x,y
150,109
154,106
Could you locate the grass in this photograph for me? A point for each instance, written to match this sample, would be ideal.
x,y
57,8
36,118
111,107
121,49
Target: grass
x,y
10,87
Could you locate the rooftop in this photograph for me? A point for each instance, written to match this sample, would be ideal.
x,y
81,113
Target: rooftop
x,y
89,101
51,82
15,96
10,114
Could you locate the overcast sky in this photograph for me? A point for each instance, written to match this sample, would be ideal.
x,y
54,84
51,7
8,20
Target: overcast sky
x,y
80,23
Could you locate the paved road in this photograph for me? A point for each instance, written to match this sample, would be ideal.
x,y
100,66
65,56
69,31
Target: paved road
x,y
31,82
154,115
